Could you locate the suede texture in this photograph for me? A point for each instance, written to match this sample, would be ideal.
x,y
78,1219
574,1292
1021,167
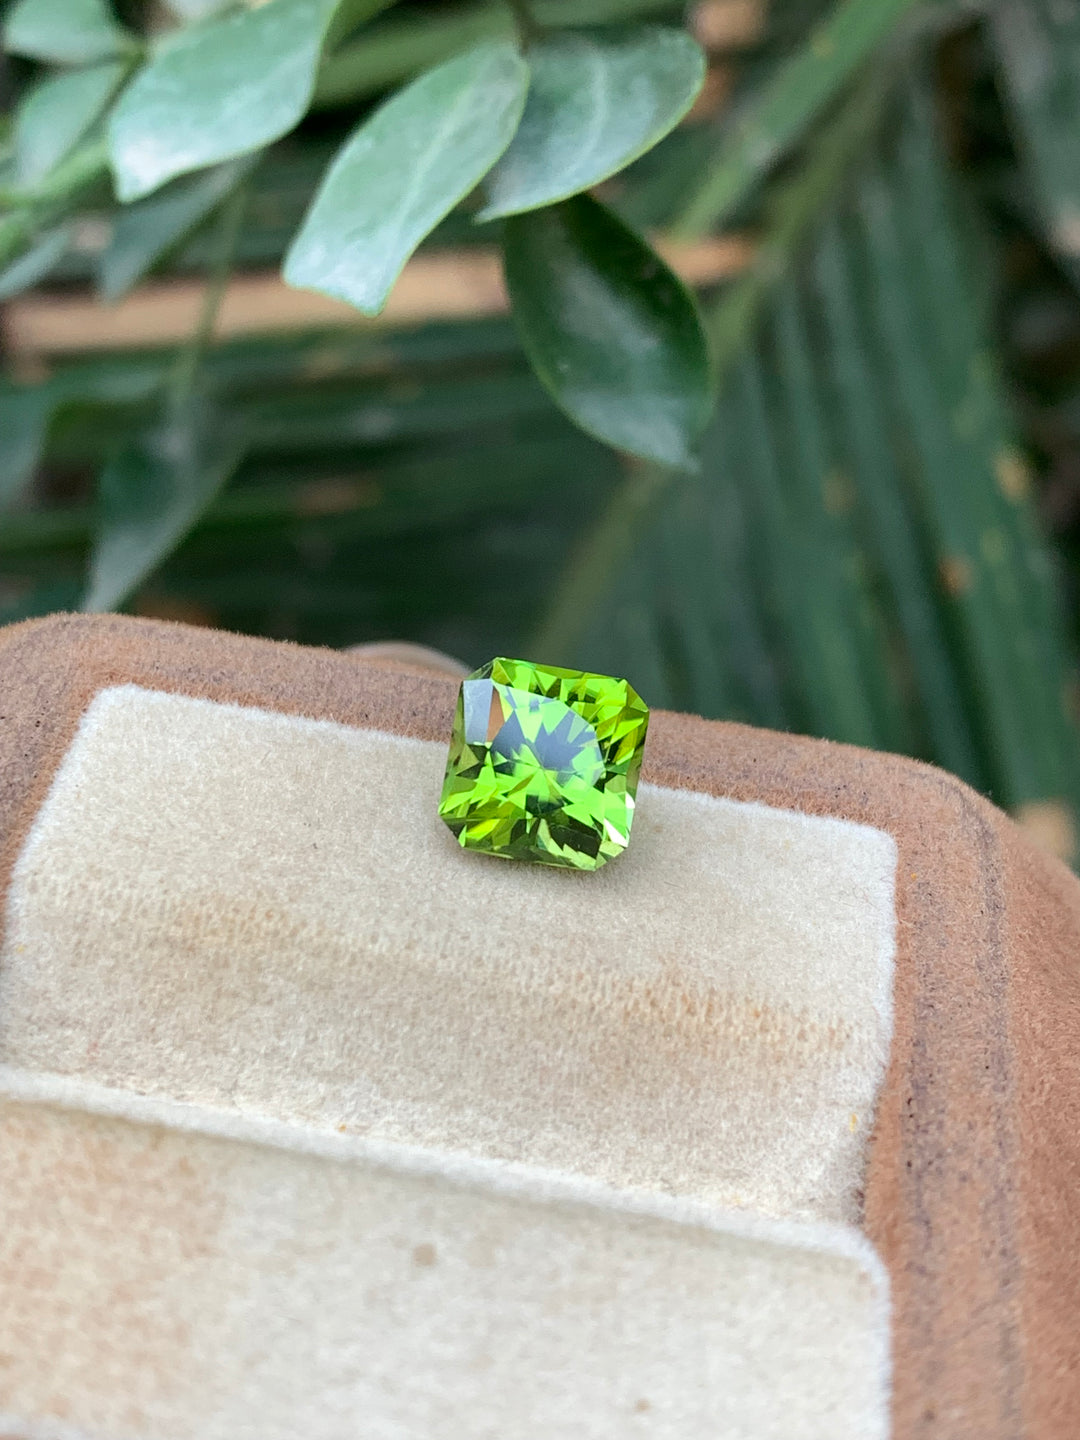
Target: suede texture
x,y
974,1161
257,911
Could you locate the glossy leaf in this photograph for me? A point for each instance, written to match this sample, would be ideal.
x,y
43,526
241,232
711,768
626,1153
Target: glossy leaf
x,y
65,32
403,170
611,332
35,264
596,102
399,48
146,231
217,91
150,495
58,113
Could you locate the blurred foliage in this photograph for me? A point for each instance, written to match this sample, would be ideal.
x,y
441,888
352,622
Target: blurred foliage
x,y
878,541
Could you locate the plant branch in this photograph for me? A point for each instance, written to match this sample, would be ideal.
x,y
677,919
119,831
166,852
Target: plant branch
x,y
797,206
182,380
56,198
798,92
527,28
397,48
598,559
730,324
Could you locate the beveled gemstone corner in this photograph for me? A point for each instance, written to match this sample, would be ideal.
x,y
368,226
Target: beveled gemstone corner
x,y
544,764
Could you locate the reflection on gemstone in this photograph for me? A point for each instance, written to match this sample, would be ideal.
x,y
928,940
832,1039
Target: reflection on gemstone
x,y
544,764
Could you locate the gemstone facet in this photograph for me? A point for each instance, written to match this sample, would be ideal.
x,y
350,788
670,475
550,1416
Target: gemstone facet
x,y
544,764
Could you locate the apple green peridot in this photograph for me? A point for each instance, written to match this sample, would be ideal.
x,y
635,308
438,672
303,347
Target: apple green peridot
x,y
544,764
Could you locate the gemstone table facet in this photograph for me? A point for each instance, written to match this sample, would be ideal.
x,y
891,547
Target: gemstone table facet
x,y
544,764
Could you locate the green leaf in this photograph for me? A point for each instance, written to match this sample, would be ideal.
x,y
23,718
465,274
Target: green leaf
x,y
852,660
929,312
146,231
610,330
596,102
28,412
193,10
65,32
1040,49
403,170
25,412
781,112
852,363
150,495
350,15
85,168
58,113
797,204
217,91
35,264
398,48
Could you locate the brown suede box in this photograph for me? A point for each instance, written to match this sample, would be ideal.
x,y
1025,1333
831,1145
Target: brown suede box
x,y
972,1191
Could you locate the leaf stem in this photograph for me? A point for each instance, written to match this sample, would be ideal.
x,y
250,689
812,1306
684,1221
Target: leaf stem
x,y
598,559
181,382
52,201
527,28
16,235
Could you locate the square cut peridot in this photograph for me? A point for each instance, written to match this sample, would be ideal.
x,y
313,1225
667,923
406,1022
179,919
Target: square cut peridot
x,y
544,764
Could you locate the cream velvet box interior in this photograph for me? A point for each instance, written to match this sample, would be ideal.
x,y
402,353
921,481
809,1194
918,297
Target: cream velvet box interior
x,y
313,1125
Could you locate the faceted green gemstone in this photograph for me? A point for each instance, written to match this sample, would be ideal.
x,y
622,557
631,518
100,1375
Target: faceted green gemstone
x,y
544,764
